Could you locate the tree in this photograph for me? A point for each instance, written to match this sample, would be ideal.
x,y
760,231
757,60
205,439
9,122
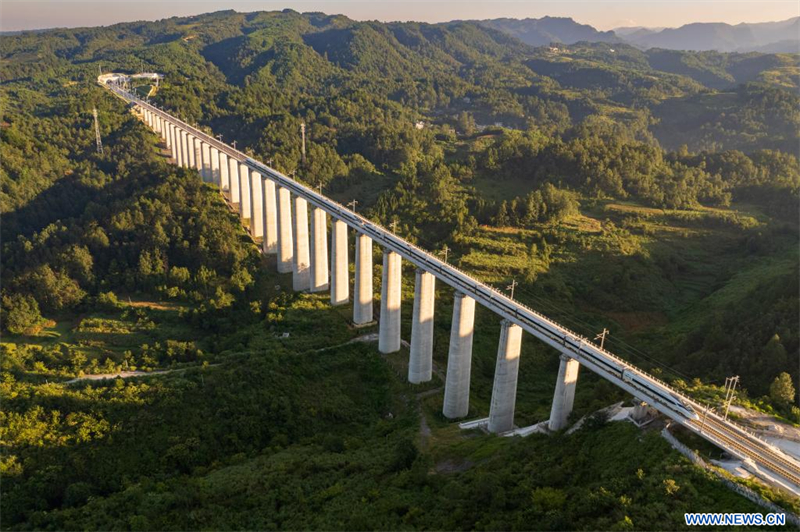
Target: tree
x,y
782,390
54,289
466,123
20,312
501,219
773,357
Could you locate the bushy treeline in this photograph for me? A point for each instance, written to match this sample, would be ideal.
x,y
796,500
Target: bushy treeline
x,y
598,162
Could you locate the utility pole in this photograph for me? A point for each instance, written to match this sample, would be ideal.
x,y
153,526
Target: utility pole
x,y
602,337
352,205
233,143
303,133
393,226
703,424
219,137
511,287
445,250
730,391
97,132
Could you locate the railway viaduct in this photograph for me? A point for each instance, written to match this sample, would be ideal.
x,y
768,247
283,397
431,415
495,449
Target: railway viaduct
x,y
275,210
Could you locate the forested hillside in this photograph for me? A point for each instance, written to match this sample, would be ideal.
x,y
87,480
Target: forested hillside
x,y
654,194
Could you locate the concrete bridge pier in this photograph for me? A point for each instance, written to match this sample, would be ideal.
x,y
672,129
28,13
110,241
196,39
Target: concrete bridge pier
x,y
166,134
233,181
301,270
205,152
340,282
171,143
420,361
175,135
285,237
190,148
459,358
564,396
190,145
181,137
213,157
362,306
245,209
189,154
642,412
256,206
176,141
224,170
197,148
178,146
504,391
270,232
185,149
319,250
197,152
389,329
198,157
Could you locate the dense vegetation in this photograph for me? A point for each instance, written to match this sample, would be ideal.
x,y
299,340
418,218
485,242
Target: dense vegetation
x,y
620,191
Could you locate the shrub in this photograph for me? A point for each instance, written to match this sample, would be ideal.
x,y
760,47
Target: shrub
x,y
20,313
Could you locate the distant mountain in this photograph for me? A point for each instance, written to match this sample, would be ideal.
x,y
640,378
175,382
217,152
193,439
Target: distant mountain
x,y
635,31
783,36
781,47
546,30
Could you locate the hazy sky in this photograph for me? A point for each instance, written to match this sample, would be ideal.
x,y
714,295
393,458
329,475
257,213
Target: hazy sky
x,y
603,14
